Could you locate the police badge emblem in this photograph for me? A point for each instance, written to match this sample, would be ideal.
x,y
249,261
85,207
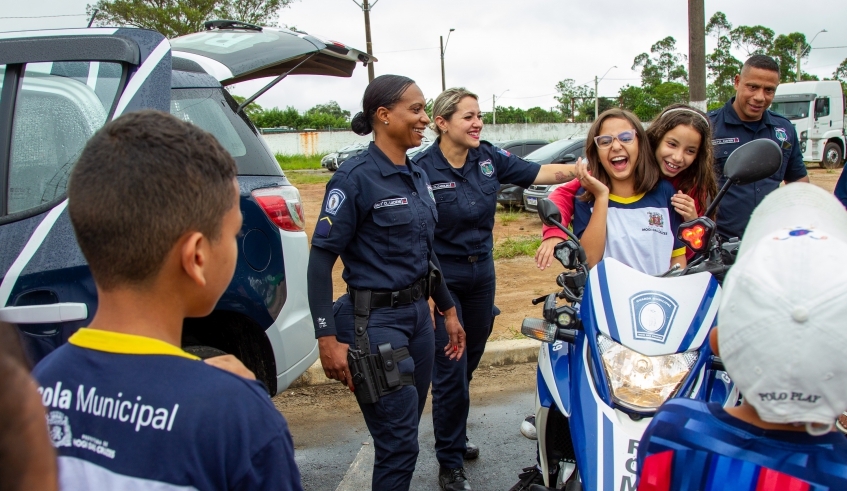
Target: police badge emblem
x,y
487,168
781,135
652,315
334,200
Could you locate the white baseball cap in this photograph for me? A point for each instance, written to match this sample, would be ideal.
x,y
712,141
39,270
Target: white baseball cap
x,y
783,314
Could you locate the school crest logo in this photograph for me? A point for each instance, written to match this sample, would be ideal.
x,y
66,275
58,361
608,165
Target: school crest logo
x,y
781,135
487,168
334,200
652,315
655,219
59,428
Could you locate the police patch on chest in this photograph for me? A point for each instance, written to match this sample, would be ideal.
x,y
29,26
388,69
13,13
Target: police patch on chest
x,y
652,315
781,135
391,202
487,168
334,200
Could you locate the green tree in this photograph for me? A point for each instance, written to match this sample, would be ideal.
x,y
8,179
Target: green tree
x,y
722,66
664,66
568,90
755,40
252,110
175,18
784,51
331,108
639,101
840,74
717,25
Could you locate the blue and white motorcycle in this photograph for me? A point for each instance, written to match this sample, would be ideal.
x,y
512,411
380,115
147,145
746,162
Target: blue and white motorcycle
x,y
627,343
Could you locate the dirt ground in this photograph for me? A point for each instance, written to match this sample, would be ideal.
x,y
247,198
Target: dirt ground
x,y
518,280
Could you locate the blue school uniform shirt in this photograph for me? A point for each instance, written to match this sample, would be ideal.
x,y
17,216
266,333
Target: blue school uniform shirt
x,y
696,446
380,220
640,231
467,197
130,412
729,133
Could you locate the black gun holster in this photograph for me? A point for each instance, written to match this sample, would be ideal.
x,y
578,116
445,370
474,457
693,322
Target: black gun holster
x,y
374,375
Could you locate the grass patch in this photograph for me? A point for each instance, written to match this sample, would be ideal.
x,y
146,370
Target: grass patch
x,y
297,162
516,246
300,178
507,217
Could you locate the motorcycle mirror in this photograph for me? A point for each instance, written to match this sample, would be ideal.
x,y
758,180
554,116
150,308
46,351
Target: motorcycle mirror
x,y
547,211
753,161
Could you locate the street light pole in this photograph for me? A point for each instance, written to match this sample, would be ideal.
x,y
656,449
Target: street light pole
x,y
802,52
443,50
596,94
368,45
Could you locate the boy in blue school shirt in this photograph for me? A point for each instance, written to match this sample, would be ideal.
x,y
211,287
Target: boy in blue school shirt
x,y
154,203
781,335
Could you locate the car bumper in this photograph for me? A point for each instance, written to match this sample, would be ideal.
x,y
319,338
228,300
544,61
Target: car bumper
x,y
510,196
530,199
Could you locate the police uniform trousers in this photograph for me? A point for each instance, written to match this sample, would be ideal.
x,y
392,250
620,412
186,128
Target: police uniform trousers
x,y
472,286
393,420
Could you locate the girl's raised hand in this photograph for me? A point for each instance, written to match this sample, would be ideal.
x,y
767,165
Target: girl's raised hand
x,y
544,255
684,205
589,183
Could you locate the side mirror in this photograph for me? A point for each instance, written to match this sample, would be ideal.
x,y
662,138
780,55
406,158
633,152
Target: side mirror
x,y
752,161
564,159
547,211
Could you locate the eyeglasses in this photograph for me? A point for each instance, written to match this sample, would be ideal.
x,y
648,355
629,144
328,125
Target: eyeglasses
x,y
625,137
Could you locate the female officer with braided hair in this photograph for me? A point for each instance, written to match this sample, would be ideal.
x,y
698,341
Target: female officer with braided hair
x,y
379,215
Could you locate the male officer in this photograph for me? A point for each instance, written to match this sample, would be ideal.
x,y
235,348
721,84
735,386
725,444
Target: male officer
x,y
746,118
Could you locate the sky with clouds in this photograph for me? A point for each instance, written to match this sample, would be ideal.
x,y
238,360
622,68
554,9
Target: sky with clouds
x,y
519,49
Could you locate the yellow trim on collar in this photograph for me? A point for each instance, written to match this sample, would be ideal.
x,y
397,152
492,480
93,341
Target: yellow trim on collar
x,y
127,344
678,252
626,201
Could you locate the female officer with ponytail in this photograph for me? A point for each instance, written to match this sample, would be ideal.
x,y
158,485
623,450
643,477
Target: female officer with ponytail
x,y
379,215
466,173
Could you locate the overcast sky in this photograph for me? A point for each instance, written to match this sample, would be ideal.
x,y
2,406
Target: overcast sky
x,y
521,47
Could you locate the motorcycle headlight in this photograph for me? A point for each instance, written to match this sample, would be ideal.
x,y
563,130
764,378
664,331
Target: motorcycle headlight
x,y
642,382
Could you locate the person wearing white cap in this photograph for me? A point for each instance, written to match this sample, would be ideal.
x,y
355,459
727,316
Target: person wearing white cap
x,y
781,336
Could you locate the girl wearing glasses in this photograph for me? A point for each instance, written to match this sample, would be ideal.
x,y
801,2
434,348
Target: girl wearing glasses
x,y
680,138
624,209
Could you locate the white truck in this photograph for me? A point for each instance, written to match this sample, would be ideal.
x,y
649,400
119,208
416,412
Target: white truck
x,y
816,109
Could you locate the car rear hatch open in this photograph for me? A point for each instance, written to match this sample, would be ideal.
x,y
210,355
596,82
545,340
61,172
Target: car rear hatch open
x,y
236,52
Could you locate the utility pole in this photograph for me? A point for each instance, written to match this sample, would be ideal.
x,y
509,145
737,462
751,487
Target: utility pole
x,y
367,10
443,50
494,109
596,98
697,54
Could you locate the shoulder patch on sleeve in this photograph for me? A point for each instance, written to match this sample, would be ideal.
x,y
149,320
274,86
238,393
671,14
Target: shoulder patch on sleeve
x,y
323,227
503,152
334,199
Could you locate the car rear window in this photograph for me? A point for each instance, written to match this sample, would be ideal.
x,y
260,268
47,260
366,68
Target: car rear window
x,y
59,107
213,111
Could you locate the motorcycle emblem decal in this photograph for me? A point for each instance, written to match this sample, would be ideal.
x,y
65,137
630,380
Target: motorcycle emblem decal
x,y
655,219
781,135
652,315
59,427
486,167
334,200
801,232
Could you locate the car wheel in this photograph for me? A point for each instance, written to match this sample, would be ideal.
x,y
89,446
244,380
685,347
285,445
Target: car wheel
x,y
203,352
832,156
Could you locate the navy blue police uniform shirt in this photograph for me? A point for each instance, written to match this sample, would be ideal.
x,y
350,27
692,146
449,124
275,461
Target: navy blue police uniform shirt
x,y
729,133
467,197
380,220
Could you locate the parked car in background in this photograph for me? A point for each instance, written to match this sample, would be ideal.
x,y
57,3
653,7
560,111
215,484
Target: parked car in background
x,y
559,152
425,143
61,86
509,194
345,153
330,161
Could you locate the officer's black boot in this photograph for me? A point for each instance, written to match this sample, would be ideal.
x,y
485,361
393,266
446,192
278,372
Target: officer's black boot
x,y
453,479
471,451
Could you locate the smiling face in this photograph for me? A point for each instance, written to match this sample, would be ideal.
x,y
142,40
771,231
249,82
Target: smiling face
x,y
754,92
407,120
618,159
677,149
464,126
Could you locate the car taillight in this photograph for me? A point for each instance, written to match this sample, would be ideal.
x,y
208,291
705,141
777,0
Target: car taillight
x,y
283,206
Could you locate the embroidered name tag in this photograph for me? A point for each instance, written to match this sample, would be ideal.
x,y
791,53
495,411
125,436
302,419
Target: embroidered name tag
x,y
443,185
724,141
391,202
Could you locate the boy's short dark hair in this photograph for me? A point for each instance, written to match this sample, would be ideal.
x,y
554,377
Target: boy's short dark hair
x,y
141,182
762,62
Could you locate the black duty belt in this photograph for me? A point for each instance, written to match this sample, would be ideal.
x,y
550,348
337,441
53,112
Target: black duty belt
x,y
378,299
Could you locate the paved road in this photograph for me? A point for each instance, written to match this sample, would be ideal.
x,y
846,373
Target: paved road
x,y
334,450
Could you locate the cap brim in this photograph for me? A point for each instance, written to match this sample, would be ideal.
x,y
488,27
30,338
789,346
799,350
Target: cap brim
x,y
795,205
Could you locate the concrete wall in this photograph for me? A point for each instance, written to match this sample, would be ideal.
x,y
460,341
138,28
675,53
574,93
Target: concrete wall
x,y
323,142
